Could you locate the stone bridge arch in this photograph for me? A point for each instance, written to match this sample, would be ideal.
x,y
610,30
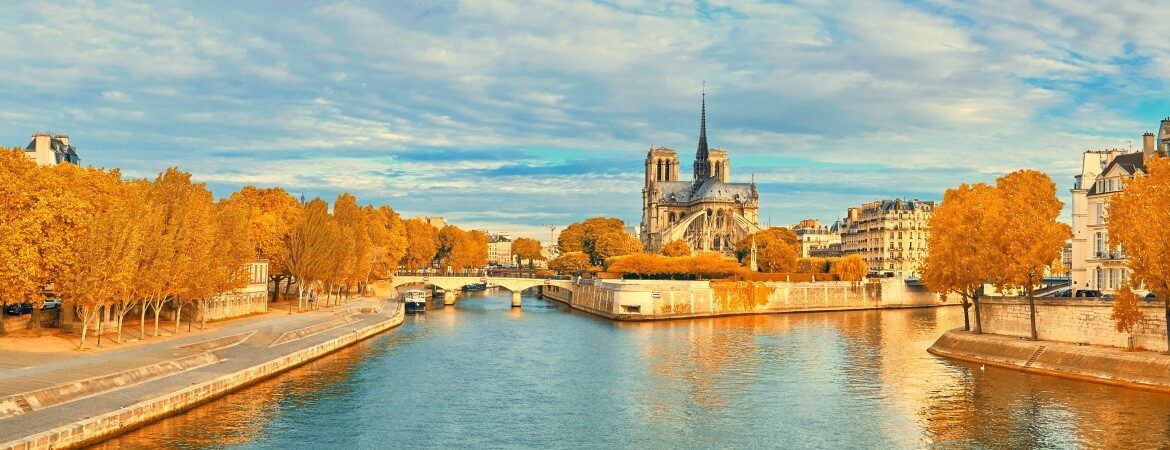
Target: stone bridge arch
x,y
450,285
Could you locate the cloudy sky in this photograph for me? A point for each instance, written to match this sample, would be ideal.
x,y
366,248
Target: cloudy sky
x,y
509,116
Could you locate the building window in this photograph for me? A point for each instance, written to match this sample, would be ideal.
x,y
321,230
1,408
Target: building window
x,y
1100,278
1112,278
1099,217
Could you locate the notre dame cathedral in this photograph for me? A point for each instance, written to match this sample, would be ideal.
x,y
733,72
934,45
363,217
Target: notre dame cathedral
x,y
708,211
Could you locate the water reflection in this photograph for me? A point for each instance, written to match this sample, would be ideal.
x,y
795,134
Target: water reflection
x,y
483,374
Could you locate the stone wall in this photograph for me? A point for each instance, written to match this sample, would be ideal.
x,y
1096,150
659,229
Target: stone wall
x,y
227,306
1077,320
653,299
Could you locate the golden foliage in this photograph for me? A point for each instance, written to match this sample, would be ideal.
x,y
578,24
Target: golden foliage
x,y
850,268
814,265
676,247
1138,219
572,263
599,238
526,248
655,266
1029,234
422,244
776,249
1127,311
964,241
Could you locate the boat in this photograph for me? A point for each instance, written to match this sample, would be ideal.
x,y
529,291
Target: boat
x,y
415,300
475,287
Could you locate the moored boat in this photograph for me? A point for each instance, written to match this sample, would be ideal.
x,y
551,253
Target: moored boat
x,y
415,300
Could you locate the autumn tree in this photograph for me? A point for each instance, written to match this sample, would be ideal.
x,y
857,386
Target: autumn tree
x,y
813,265
270,215
677,247
776,249
357,257
850,268
572,263
178,212
422,244
1138,218
105,244
21,276
965,245
477,241
1127,311
311,247
526,248
600,238
388,236
1030,235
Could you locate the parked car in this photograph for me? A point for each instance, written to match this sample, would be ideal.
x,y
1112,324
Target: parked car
x,y
52,303
1107,297
1151,296
1088,293
17,309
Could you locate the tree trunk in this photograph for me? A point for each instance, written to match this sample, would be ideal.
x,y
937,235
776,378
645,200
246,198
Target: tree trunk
x,y
288,287
975,300
99,327
121,312
178,315
966,314
157,310
1031,311
1167,308
142,321
84,329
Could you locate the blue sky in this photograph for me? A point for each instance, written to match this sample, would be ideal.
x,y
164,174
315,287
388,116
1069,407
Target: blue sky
x,y
509,116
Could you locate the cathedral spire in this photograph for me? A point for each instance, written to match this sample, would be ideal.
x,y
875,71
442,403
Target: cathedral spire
x,y
702,165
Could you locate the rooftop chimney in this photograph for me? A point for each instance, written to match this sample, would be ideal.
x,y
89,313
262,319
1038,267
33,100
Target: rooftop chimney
x,y
1148,145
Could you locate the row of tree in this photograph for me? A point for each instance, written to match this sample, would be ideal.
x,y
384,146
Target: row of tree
x,y
1006,235
104,242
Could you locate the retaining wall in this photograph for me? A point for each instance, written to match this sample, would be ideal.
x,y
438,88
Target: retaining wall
x,y
653,299
91,429
1072,320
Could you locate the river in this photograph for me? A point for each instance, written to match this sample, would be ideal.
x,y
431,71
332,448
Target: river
x,y
481,374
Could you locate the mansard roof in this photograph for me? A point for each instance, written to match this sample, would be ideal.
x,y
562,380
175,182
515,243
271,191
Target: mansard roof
x,y
710,190
1129,163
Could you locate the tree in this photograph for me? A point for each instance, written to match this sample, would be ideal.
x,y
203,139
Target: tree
x,y
1031,238
20,216
1138,218
677,247
422,244
356,260
311,247
813,265
477,242
1127,312
571,263
388,235
105,245
776,249
600,238
526,248
270,215
850,268
965,244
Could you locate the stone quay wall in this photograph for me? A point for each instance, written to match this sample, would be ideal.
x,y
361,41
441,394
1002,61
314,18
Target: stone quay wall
x,y
669,299
91,429
1072,320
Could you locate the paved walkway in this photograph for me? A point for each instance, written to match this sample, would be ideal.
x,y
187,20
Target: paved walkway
x,y
22,372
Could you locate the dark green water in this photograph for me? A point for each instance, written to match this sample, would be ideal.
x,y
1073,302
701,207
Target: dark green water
x,y
482,374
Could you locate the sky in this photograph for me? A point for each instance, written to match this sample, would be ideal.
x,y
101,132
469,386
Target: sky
x,y
512,116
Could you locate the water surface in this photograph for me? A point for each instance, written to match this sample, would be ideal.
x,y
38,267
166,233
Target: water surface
x,y
482,374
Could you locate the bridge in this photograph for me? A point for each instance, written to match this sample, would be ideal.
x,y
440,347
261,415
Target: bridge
x,y
452,283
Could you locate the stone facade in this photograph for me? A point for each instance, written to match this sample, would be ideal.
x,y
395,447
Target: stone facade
x,y
1094,265
500,250
648,300
708,211
46,149
1077,321
816,239
889,234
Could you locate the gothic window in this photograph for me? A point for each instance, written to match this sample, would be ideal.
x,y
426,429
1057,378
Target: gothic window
x,y
672,217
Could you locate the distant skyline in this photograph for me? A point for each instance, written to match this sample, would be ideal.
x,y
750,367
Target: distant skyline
x,y
507,117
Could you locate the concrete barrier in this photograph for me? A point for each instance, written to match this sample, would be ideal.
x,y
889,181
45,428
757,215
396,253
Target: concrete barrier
x,y
1143,369
55,395
92,429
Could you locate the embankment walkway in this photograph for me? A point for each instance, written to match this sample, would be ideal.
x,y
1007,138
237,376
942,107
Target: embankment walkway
x,y
1111,365
62,400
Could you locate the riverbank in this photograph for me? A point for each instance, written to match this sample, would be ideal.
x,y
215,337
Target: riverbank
x,y
92,397
1109,365
643,300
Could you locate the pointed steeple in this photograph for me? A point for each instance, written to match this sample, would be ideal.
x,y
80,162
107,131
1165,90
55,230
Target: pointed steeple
x,y
702,165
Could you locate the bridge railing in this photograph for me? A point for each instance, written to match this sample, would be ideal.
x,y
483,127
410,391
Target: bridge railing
x,y
478,274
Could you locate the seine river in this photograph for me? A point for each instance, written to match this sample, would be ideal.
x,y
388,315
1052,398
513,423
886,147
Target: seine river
x,y
482,374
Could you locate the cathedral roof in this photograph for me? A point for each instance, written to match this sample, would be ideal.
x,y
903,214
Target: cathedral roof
x,y
710,190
